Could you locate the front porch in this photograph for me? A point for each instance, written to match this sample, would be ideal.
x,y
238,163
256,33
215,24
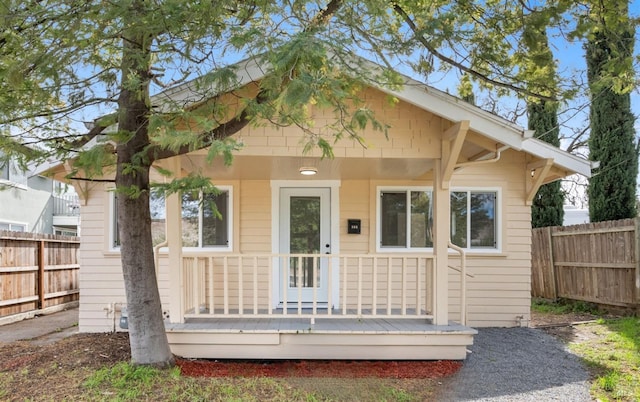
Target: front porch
x,y
327,338
376,307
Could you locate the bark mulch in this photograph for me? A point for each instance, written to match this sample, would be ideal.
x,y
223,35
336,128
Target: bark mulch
x,y
318,368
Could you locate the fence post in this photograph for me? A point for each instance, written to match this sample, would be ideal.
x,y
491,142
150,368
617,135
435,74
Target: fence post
x,y
636,295
554,281
41,300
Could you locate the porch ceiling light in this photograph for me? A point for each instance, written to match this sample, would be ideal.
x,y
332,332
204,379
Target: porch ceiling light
x,y
308,171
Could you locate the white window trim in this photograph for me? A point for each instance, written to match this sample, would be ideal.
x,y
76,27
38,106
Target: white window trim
x,y
112,221
8,222
216,249
63,229
11,169
498,218
406,248
229,247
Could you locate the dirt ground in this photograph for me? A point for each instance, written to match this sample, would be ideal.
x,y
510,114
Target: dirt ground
x,y
61,367
560,325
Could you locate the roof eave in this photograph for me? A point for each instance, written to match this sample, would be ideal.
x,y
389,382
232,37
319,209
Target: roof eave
x,y
561,158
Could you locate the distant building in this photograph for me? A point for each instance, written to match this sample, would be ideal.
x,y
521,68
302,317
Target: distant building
x,y
575,216
33,203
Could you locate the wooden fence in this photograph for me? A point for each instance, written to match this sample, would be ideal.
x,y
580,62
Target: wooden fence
x,y
37,271
593,262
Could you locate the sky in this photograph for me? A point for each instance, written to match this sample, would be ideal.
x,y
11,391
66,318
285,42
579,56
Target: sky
x,y
571,62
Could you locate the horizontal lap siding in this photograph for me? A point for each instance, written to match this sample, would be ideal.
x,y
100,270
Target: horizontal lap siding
x,y
255,216
499,294
101,280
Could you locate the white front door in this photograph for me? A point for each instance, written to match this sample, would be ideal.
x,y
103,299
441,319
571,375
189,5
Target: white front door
x,y
304,229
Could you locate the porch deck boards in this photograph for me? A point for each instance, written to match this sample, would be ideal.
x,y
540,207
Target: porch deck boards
x,y
296,325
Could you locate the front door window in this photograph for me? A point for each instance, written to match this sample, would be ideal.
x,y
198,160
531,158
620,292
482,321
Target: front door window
x,y
304,238
304,229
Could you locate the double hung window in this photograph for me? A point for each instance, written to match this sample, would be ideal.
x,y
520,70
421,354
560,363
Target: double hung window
x,y
405,219
206,220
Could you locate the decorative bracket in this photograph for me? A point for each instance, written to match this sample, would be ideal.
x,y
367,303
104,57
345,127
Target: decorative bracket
x,y
536,172
452,141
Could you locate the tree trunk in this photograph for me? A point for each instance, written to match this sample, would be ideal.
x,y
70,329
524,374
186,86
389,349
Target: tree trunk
x,y
147,335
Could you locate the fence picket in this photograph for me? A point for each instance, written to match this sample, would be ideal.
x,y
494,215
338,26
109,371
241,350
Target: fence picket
x,y
594,262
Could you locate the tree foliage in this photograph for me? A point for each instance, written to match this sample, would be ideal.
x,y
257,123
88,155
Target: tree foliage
x,y
111,66
547,208
612,142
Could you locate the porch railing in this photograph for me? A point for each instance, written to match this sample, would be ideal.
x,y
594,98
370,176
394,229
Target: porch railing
x,y
251,285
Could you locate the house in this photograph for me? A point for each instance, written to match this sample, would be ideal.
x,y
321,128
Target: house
x,y
35,203
391,251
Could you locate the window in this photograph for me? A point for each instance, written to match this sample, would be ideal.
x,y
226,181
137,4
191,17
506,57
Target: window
x,y
14,227
406,219
11,174
473,219
4,171
157,209
206,220
64,231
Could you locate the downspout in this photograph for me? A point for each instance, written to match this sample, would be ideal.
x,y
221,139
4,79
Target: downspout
x,y
495,159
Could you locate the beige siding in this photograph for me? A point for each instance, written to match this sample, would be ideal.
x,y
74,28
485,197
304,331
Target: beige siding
x,y
413,133
255,216
499,293
101,281
354,204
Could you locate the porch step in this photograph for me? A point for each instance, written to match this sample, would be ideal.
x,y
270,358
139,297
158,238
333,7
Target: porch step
x,y
377,339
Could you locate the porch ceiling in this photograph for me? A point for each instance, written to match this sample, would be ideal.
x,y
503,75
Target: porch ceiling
x,y
287,168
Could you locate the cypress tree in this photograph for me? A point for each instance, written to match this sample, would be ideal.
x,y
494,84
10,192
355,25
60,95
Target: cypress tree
x,y
612,189
543,119
547,204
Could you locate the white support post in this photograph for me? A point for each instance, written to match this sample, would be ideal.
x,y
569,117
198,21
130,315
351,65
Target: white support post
x,y
173,207
442,208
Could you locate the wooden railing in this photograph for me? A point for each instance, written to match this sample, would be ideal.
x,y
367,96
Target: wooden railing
x,y
247,285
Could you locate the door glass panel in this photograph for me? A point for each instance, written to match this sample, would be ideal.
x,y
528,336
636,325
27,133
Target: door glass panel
x,y
304,232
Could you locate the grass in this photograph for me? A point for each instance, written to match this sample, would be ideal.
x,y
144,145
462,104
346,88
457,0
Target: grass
x,y
563,306
609,347
614,356
125,382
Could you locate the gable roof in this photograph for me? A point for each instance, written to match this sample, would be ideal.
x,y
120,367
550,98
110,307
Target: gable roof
x,y
423,96
419,94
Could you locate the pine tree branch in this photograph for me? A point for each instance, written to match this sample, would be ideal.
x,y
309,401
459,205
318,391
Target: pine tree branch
x,y
240,121
402,13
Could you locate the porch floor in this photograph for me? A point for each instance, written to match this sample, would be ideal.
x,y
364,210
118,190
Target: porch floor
x,y
327,338
299,325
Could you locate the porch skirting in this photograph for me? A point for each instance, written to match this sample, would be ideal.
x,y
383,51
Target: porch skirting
x,y
326,338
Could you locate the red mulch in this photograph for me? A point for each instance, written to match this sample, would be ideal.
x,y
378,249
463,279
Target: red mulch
x,y
318,368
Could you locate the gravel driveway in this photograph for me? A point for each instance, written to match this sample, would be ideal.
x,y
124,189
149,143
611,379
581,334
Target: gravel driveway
x,y
518,364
